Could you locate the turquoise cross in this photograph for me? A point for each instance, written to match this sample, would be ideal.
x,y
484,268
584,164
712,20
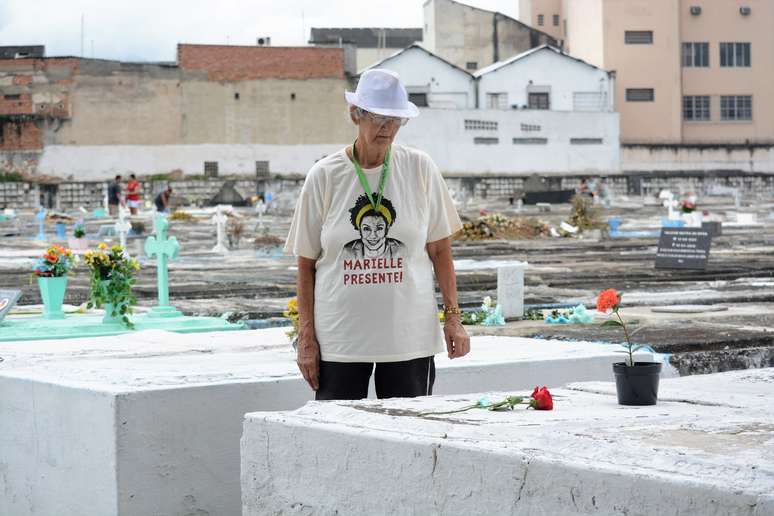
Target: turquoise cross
x,y
163,248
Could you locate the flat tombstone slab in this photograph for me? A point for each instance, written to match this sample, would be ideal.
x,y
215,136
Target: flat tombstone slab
x,y
707,448
688,309
149,423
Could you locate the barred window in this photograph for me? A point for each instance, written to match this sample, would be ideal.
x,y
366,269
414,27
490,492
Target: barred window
x,y
419,99
539,101
530,141
585,141
541,19
733,54
640,94
638,37
696,107
480,125
497,100
471,65
556,20
736,107
695,54
530,127
211,169
486,140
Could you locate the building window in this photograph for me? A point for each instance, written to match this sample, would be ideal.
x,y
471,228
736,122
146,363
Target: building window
x,y
419,99
640,94
486,140
588,101
736,107
211,169
497,100
695,54
529,128
480,125
541,20
471,65
638,37
530,141
556,20
696,108
585,141
539,101
734,54
12,97
262,169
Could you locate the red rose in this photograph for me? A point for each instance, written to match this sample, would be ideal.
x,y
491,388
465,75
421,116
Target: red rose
x,y
541,399
608,300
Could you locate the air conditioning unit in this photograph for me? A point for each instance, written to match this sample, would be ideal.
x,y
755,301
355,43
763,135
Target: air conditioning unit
x,y
696,10
263,41
745,10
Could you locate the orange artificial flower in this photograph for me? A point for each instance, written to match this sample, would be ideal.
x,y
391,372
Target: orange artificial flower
x,y
608,300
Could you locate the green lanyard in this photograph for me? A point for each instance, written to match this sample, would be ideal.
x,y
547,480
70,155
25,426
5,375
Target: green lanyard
x,y
382,178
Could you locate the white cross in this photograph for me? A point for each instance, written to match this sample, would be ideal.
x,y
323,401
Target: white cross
x,y
220,219
122,228
260,209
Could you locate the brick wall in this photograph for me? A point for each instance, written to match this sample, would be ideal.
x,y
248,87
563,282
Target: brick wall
x,y
239,63
19,134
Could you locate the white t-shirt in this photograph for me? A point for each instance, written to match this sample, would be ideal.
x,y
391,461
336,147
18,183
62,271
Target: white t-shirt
x,y
374,289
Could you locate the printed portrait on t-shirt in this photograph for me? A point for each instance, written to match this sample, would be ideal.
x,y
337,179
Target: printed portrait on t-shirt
x,y
373,227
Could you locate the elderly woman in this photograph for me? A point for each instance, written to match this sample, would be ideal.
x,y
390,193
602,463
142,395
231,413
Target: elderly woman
x,y
372,223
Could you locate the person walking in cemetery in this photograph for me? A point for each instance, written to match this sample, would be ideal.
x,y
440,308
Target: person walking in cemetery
x,y
114,196
133,191
366,300
162,200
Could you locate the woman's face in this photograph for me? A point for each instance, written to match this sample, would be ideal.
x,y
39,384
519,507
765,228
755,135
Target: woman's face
x,y
373,231
377,131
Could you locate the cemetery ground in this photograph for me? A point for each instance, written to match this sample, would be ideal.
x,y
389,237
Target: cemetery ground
x,y
144,423
728,325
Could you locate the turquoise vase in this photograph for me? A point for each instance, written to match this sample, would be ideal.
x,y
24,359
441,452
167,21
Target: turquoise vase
x,y
108,318
52,291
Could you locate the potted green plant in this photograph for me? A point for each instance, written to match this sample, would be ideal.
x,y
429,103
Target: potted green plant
x,y
51,271
636,382
79,241
112,277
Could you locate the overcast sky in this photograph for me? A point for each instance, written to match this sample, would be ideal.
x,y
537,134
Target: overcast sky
x,y
145,30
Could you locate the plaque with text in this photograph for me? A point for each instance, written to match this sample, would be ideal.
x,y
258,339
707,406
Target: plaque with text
x,y
683,248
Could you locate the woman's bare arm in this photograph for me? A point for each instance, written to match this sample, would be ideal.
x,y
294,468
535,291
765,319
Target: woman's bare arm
x,y
308,354
457,339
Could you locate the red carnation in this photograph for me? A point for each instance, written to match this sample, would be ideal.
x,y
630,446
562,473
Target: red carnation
x,y
608,300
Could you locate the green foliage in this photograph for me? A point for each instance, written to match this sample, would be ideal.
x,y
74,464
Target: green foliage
x,y
11,177
112,278
79,231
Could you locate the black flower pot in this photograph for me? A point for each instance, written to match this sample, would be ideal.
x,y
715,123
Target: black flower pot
x,y
637,384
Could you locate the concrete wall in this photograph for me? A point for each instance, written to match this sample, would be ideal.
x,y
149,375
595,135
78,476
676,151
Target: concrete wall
x,y
529,10
550,71
584,37
442,134
463,34
759,158
101,162
445,85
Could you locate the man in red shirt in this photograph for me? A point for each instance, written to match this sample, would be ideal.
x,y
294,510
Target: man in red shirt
x,y
133,189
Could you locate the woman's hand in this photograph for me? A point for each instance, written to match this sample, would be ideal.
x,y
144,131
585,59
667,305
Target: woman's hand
x,y
308,358
457,339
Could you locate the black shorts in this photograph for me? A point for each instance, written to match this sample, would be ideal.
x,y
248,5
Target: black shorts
x,y
349,380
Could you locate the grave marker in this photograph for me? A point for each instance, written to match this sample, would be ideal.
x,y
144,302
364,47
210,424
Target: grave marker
x,y
41,218
8,299
683,248
510,289
164,249
122,227
220,220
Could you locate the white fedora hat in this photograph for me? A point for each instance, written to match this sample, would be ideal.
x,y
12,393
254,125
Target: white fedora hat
x,y
380,91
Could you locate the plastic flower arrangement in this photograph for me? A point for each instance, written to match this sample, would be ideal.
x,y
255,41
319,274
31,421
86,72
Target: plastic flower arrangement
x,y
112,277
56,262
610,301
489,314
540,399
575,315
